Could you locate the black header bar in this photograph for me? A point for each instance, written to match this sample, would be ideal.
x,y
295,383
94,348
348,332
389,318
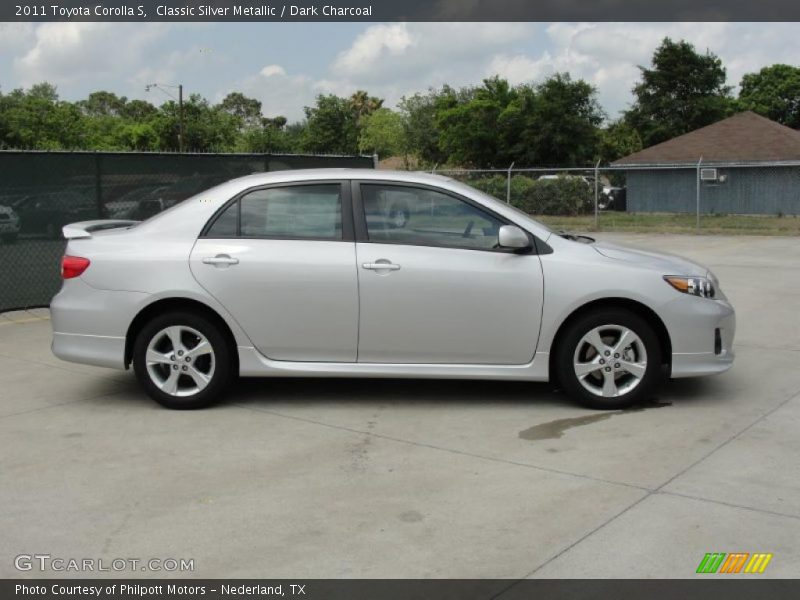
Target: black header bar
x,y
399,10
703,588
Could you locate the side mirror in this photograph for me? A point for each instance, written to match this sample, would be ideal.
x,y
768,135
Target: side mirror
x,y
511,236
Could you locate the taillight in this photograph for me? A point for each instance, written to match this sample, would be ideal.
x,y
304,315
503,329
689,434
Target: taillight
x,y
73,266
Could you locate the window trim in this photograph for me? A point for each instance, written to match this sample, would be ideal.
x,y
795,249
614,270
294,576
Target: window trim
x,y
362,233
346,208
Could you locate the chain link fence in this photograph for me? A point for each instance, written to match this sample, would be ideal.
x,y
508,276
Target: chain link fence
x,y
40,192
697,196
539,191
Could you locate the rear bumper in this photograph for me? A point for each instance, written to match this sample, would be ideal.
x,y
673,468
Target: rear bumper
x,y
98,350
90,325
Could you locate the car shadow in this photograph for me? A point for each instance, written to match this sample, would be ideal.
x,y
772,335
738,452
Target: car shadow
x,y
406,391
266,391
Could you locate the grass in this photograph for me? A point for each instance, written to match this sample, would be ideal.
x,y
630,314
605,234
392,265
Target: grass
x,y
678,223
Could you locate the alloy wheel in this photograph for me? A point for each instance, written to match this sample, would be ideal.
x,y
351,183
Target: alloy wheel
x,y
180,361
610,361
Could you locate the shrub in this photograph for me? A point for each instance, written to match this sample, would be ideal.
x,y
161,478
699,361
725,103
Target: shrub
x,y
565,196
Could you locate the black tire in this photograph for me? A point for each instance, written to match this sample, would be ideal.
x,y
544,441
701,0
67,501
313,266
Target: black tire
x,y
9,238
222,361
567,346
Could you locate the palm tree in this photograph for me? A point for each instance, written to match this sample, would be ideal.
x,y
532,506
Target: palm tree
x,y
364,104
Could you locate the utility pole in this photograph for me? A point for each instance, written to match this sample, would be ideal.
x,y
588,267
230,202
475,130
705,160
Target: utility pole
x,y
179,87
697,194
180,117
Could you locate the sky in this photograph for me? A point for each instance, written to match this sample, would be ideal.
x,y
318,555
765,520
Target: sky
x,y
285,65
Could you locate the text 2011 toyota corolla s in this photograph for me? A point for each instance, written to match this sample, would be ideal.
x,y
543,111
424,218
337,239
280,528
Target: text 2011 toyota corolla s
x,y
360,273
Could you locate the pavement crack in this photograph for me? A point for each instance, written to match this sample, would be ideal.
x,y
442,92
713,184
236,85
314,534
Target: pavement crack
x,y
730,504
443,449
659,490
49,406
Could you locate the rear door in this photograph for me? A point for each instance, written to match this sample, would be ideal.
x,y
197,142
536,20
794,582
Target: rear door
x,y
281,259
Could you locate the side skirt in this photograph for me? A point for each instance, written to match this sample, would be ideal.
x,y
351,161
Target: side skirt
x,y
254,364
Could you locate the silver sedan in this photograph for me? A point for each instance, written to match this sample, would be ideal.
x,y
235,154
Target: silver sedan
x,y
359,273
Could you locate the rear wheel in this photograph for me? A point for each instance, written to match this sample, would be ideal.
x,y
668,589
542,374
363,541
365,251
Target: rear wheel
x,y
609,359
182,360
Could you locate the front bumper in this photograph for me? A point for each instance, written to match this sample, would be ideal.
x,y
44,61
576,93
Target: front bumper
x,y
702,339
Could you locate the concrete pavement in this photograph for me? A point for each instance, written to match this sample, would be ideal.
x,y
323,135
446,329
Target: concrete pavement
x,y
348,478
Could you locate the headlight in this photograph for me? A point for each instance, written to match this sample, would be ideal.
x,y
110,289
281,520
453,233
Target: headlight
x,y
695,286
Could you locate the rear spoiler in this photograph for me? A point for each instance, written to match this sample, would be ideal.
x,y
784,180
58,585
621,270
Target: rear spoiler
x,y
84,229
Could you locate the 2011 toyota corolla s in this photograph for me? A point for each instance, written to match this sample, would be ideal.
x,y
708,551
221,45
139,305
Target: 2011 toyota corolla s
x,y
359,273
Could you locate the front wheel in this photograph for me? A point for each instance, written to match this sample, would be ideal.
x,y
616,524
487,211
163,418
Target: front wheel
x,y
182,360
609,359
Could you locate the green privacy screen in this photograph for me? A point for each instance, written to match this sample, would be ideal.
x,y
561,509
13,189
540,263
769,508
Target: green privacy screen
x,y
40,192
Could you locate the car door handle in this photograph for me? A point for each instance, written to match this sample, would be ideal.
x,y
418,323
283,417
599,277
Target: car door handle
x,y
381,266
220,259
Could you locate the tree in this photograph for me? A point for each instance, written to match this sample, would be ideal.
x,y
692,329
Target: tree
x,y
382,133
104,124
364,105
295,135
271,136
515,127
139,136
206,128
38,119
467,123
421,132
246,111
103,104
773,92
138,110
470,124
617,140
45,92
563,126
331,126
683,91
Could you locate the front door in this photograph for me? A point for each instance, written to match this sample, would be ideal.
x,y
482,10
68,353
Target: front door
x,y
434,286
281,260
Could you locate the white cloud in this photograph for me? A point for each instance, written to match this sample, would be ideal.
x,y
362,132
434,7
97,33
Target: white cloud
x,y
401,50
66,53
372,46
389,60
15,37
273,70
402,58
172,67
608,54
279,92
